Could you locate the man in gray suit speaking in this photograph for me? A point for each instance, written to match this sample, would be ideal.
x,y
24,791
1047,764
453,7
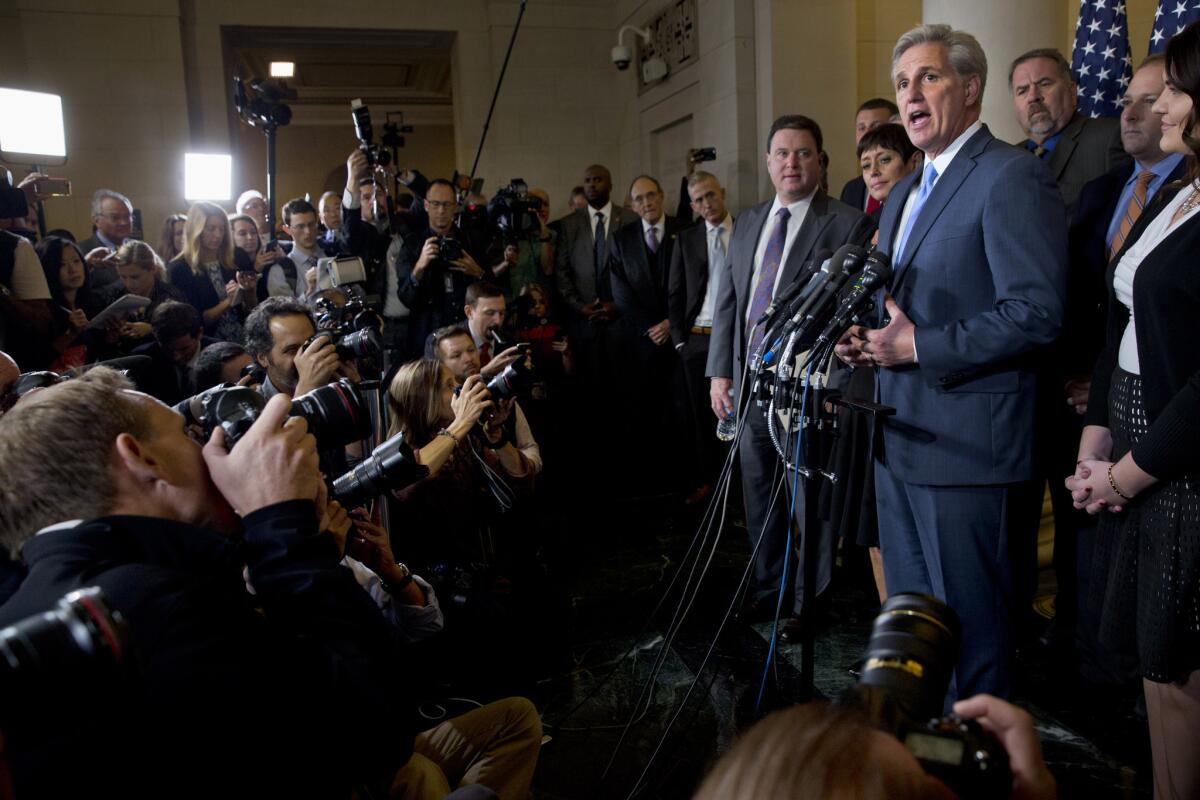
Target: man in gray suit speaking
x,y
769,250
979,250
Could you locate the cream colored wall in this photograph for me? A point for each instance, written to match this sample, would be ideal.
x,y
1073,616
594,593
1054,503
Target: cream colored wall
x,y
119,70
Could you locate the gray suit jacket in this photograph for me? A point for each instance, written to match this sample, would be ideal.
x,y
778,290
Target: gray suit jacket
x,y
1087,149
575,268
983,278
829,224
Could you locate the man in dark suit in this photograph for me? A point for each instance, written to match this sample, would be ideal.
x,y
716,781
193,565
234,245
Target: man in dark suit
x,y
1076,148
697,264
768,251
112,220
1107,209
433,288
638,263
585,284
977,241
871,114
178,339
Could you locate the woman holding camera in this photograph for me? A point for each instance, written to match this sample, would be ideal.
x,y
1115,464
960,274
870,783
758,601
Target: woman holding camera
x,y
206,272
439,421
1139,455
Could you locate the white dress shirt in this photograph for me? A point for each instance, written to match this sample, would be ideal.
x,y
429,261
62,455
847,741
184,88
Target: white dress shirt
x,y
660,229
704,318
799,210
607,211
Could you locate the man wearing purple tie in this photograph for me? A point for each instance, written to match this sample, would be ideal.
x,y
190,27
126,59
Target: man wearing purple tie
x,y
770,249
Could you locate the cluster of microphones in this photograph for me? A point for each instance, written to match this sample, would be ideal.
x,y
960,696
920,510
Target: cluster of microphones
x,y
811,316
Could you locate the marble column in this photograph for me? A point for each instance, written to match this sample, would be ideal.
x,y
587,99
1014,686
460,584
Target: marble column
x,y
1005,29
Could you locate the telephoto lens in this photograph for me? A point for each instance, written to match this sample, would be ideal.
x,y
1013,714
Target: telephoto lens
x,y
364,343
516,378
911,653
67,657
334,413
391,465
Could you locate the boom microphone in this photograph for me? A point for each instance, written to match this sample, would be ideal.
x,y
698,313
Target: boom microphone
x,y
859,299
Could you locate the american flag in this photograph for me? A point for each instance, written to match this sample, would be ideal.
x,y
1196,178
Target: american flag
x,y
1171,18
1101,62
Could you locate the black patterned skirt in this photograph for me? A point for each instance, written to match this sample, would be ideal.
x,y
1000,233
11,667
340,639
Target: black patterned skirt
x,y
1145,587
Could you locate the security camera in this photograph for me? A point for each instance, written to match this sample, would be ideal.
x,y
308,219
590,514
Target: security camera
x,y
621,56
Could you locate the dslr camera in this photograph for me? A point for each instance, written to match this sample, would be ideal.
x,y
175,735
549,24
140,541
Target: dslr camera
x,y
377,155
335,413
909,662
391,465
365,343
449,249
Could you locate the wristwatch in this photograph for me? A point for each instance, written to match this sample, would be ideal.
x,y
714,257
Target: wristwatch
x,y
400,585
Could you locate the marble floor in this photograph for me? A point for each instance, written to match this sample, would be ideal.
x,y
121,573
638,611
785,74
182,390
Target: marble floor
x,y
647,696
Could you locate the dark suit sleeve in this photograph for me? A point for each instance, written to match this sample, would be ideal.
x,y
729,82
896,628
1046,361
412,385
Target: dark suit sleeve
x,y
683,212
624,294
413,293
1024,238
677,294
563,269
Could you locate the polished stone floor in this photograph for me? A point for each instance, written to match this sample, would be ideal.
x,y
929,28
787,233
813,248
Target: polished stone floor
x,y
629,713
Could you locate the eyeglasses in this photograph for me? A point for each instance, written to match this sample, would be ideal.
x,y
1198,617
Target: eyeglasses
x,y
441,205
117,217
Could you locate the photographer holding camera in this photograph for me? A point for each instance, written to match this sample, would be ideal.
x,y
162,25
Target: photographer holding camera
x,y
279,337
238,693
435,269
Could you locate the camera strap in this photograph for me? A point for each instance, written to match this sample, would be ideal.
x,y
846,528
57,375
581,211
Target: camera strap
x,y
502,493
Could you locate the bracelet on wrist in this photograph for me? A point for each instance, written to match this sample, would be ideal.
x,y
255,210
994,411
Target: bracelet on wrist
x,y
1113,483
445,432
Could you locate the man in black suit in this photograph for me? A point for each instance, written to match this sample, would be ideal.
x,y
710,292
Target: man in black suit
x,y
178,339
638,263
1107,208
871,114
768,251
112,219
697,264
1075,148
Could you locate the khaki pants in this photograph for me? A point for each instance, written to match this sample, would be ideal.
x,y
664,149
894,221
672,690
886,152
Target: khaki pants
x,y
1174,714
495,746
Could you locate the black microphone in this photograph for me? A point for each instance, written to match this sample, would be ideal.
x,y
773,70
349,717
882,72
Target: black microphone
x,y
859,299
829,274
847,262
803,288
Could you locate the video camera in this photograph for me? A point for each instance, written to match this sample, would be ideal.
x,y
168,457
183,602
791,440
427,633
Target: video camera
x,y
515,211
343,310
267,110
334,413
377,155
909,662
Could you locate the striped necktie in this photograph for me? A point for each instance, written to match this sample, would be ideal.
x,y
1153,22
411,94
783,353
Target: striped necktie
x,y
1137,203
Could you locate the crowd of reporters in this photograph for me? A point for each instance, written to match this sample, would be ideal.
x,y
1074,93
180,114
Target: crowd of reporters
x,y
469,353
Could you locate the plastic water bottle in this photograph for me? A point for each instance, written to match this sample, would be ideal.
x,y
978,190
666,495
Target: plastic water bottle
x,y
727,428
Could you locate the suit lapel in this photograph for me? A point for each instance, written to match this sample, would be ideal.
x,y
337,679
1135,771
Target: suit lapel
x,y
1061,155
943,192
815,220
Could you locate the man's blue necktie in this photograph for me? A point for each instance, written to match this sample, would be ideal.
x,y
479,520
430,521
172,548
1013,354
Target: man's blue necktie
x,y
927,181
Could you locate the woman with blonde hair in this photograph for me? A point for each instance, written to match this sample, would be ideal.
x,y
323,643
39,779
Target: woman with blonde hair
x,y
170,241
206,273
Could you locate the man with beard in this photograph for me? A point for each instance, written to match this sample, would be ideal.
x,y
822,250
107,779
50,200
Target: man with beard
x,y
1075,148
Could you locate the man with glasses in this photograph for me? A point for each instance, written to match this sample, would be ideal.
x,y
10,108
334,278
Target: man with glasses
x,y
432,283
112,218
296,275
